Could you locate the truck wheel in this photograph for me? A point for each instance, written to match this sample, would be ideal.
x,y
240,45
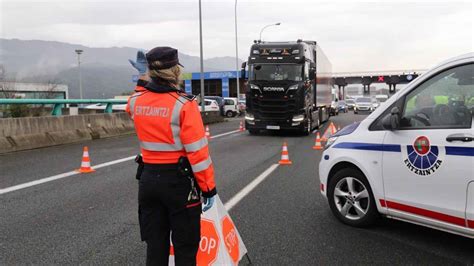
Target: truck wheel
x,y
254,131
229,114
351,199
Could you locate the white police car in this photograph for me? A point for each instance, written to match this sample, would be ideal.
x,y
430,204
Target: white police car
x,y
412,159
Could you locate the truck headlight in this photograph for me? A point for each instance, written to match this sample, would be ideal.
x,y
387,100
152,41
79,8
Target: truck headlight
x,y
254,87
293,87
249,117
330,141
298,118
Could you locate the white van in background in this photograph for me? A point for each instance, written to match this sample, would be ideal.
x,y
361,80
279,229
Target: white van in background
x,y
211,105
231,107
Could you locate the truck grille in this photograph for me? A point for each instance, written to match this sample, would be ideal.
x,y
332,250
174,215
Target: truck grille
x,y
274,108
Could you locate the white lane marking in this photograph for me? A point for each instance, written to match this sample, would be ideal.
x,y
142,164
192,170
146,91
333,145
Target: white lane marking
x,y
225,134
37,182
114,162
71,173
63,175
247,189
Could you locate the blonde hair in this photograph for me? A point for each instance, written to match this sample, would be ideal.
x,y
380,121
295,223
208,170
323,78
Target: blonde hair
x,y
170,75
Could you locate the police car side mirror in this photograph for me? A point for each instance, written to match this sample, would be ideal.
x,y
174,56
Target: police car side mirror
x,y
392,121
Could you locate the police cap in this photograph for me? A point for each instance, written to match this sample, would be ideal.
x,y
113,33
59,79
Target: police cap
x,y
167,56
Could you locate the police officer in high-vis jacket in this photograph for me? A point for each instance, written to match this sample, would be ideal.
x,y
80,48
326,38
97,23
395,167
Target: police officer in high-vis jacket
x,y
175,167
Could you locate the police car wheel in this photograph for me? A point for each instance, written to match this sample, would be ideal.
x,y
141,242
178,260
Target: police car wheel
x,y
351,199
229,114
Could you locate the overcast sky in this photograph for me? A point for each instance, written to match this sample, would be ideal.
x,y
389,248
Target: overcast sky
x,y
356,36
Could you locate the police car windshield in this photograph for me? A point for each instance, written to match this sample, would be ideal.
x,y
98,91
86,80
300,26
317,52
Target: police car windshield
x,y
270,72
363,100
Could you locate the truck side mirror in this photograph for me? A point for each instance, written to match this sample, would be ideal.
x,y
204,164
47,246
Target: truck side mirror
x,y
312,74
392,121
242,71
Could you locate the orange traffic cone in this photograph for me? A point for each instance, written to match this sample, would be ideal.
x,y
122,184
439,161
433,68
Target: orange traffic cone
x,y
333,129
317,143
208,134
326,133
330,130
86,163
241,127
285,158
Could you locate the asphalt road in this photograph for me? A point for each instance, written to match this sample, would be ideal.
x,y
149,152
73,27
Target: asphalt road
x,y
92,219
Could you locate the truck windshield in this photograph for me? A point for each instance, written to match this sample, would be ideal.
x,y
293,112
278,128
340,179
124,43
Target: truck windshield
x,y
270,72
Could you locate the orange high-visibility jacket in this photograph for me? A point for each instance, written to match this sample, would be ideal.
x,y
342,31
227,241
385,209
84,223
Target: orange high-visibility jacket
x,y
169,125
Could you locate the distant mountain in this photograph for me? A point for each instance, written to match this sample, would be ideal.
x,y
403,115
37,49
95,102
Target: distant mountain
x,y
105,71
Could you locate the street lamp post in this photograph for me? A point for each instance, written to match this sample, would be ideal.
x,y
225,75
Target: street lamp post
x,y
237,77
79,52
203,104
276,24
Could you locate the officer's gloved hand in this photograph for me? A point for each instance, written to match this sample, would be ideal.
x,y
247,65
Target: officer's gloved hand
x,y
140,64
208,202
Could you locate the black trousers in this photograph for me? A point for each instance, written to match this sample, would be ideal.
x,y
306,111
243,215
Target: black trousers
x,y
164,207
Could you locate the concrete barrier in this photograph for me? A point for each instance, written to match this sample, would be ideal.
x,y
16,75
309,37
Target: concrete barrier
x,y
35,132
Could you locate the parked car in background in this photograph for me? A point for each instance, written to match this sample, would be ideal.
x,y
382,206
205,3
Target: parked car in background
x,y
363,104
342,106
211,105
375,103
219,100
350,104
102,106
381,97
231,107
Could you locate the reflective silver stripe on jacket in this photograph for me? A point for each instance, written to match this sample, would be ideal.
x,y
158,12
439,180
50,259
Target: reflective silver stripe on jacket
x,y
202,165
175,130
156,146
133,99
197,145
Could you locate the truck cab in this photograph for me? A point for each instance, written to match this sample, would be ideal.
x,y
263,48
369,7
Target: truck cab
x,y
281,92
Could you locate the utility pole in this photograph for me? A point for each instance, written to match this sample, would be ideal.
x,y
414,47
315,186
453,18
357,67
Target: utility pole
x,y
203,104
237,55
79,52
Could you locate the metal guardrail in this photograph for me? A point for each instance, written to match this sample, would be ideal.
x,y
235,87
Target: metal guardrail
x,y
59,103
